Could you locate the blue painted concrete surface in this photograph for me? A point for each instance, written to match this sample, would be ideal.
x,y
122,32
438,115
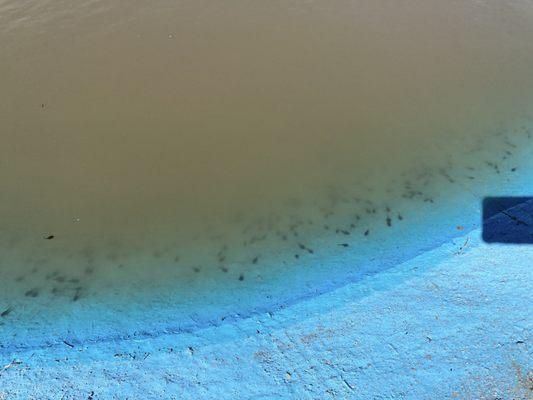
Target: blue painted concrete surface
x,y
454,322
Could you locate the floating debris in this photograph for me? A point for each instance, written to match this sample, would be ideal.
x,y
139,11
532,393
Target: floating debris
x,y
6,312
32,293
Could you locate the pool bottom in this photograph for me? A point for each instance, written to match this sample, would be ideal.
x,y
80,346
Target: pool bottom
x,y
449,323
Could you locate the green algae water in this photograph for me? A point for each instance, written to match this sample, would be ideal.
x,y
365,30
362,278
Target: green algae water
x,y
183,156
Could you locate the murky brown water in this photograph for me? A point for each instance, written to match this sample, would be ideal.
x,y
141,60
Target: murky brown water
x,y
128,119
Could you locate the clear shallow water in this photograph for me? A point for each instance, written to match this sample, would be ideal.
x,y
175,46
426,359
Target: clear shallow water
x,y
196,162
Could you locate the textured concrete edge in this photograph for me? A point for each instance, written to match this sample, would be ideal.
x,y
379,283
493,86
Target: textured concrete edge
x,y
264,356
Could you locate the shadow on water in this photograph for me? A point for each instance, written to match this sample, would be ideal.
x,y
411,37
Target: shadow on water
x,y
508,220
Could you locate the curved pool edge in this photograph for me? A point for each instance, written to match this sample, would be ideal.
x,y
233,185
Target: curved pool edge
x,y
451,323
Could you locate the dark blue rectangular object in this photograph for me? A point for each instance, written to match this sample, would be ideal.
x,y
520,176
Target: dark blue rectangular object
x,y
508,220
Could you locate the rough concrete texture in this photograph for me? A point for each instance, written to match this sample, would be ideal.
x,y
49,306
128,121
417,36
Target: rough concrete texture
x,y
452,323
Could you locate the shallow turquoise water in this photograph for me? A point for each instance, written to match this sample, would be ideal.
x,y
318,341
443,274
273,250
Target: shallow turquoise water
x,y
234,271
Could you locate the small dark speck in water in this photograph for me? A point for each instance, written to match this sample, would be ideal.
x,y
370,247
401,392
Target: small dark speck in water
x,y
367,232
6,312
32,293
77,294
49,237
241,277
